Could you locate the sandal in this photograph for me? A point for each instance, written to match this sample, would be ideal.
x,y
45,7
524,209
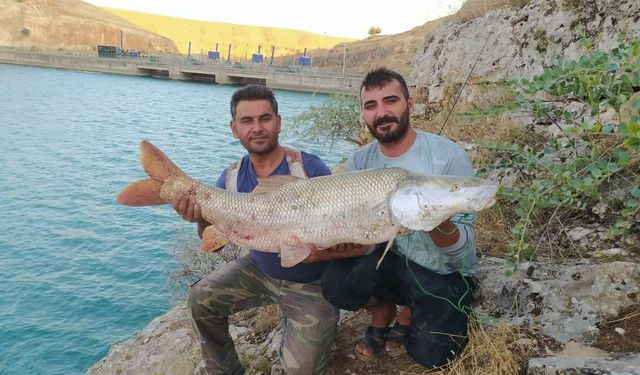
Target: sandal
x,y
374,338
398,334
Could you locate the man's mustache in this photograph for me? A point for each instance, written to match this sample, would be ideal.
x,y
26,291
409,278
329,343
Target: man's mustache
x,y
385,119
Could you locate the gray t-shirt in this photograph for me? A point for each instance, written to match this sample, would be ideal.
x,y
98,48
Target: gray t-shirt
x,y
430,154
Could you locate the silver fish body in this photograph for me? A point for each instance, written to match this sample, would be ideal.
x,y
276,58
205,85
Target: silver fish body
x,y
365,207
324,211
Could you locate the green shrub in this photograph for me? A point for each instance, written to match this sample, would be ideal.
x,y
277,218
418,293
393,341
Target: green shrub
x,y
560,177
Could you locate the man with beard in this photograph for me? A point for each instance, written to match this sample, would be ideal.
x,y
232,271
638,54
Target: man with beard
x,y
257,279
428,274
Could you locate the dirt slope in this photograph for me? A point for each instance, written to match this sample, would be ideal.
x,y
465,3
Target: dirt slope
x,y
71,25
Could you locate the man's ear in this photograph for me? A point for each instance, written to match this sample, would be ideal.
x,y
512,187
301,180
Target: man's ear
x,y
234,131
410,105
279,122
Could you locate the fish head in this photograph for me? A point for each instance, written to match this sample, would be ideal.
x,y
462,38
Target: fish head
x,y
422,203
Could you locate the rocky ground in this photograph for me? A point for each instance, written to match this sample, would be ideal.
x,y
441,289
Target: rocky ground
x,y
582,317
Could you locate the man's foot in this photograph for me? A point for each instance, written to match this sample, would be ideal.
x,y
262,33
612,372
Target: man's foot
x,y
371,344
396,336
395,340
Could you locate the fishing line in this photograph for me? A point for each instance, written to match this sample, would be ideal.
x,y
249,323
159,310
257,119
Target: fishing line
x,y
457,306
471,71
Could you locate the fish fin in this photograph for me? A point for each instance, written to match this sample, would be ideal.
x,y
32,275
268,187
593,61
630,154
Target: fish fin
x,y
157,165
141,193
271,183
159,168
292,254
384,253
212,240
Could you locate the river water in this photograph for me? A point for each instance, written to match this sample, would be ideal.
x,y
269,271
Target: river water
x,y
77,271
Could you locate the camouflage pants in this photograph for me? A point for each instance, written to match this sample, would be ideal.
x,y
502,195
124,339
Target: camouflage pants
x,y
309,320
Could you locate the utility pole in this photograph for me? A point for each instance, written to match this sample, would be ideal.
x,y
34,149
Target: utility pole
x,y
344,56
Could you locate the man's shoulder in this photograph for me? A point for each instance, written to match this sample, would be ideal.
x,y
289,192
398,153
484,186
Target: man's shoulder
x,y
368,148
438,139
313,165
443,144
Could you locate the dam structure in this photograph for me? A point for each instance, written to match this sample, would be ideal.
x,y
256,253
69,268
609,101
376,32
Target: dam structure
x,y
180,67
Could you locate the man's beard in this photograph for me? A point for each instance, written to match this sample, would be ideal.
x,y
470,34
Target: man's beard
x,y
262,149
394,134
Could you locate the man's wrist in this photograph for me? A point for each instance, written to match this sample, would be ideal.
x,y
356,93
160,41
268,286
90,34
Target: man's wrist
x,y
446,228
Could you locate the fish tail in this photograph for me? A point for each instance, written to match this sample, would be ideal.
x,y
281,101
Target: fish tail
x,y
147,192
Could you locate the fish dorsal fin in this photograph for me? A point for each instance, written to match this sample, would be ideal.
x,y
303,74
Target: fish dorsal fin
x,y
271,183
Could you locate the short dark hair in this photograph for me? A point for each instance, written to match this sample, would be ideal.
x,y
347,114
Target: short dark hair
x,y
253,92
381,77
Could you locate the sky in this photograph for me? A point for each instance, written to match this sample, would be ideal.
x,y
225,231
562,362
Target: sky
x,y
344,18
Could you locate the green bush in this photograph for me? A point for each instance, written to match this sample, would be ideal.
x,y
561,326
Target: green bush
x,y
336,119
560,177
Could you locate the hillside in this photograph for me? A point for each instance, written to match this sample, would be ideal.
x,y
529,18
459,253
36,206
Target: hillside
x,y
396,51
244,39
71,25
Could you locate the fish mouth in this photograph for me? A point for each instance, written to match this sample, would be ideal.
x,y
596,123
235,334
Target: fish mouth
x,y
485,200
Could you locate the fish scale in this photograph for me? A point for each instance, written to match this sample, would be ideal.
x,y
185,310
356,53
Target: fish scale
x,y
324,211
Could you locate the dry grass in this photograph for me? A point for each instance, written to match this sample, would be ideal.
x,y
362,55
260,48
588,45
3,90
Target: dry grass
x,y
493,352
244,39
476,8
267,318
499,350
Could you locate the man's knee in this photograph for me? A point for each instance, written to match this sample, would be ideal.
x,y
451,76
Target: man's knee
x,y
349,283
202,301
336,290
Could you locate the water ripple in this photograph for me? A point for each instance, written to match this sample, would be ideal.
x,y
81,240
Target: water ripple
x,y
77,271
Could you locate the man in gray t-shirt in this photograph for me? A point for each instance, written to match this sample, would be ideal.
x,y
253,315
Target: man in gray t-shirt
x,y
428,274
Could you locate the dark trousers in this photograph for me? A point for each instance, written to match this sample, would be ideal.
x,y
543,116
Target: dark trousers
x,y
439,303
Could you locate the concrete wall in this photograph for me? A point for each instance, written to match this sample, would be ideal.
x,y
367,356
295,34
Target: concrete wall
x,y
74,62
304,80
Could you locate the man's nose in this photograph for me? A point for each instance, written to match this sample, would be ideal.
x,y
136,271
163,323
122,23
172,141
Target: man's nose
x,y
257,127
382,111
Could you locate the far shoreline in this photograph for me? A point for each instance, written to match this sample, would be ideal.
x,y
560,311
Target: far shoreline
x,y
301,79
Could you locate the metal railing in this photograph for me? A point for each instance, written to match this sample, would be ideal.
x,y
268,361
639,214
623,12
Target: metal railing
x,y
194,61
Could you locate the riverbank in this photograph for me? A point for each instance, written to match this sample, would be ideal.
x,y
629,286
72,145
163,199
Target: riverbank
x,y
180,68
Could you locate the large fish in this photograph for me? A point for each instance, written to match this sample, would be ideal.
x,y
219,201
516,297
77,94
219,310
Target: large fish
x,y
285,213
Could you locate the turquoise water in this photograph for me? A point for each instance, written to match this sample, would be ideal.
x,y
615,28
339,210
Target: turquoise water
x,y
77,271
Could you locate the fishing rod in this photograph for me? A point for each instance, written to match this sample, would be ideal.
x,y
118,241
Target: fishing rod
x,y
470,72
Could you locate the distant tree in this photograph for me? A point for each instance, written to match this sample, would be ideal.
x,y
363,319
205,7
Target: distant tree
x,y
375,30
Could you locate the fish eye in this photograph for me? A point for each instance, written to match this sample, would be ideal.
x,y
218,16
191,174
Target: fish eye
x,y
455,187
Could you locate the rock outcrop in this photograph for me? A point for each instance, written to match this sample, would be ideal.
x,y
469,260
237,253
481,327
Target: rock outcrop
x,y
520,41
567,301
71,25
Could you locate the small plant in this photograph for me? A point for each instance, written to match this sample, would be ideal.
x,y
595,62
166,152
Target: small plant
x,y
560,177
193,265
336,119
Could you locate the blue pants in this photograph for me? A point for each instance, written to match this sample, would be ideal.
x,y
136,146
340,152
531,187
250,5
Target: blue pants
x,y
439,303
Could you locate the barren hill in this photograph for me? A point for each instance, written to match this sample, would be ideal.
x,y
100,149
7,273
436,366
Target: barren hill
x,y
244,39
71,25
397,51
